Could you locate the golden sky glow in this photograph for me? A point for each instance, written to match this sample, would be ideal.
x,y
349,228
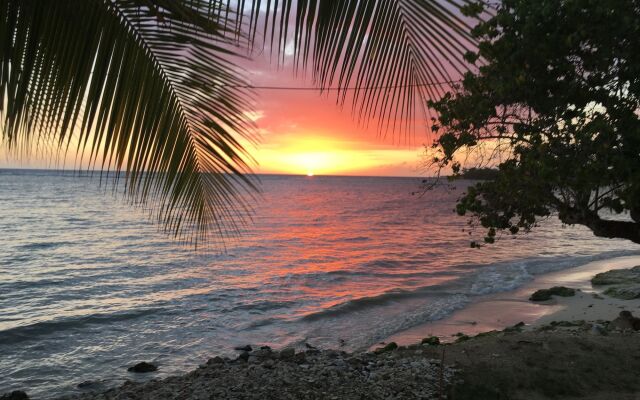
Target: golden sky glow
x,y
301,132
305,132
327,156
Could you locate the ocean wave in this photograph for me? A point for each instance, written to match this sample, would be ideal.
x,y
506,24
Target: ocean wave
x,y
35,330
42,245
10,286
509,276
265,305
480,280
355,305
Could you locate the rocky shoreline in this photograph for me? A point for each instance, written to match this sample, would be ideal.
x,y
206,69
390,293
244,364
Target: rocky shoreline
x,y
561,360
311,374
592,351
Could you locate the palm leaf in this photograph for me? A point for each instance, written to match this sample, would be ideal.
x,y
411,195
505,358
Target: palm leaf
x,y
144,89
148,91
395,55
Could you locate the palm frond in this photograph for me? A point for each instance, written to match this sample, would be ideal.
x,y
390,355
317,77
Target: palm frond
x,y
144,89
396,54
150,91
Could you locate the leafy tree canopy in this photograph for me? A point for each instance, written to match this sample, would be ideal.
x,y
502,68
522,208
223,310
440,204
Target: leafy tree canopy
x,y
558,83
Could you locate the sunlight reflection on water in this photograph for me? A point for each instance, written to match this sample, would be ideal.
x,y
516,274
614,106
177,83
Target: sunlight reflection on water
x,y
88,285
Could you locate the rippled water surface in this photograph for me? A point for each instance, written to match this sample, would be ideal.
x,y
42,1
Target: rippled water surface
x,y
88,286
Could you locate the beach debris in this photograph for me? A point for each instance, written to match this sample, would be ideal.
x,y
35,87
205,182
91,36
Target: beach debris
x,y
15,395
243,348
545,294
431,341
625,321
387,348
143,367
617,277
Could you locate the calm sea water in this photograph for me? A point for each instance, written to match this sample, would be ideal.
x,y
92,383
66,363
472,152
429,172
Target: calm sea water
x,y
88,286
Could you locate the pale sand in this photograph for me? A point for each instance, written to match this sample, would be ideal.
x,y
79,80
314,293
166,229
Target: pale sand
x,y
500,310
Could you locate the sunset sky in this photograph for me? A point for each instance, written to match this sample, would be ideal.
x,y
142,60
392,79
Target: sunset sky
x,y
303,132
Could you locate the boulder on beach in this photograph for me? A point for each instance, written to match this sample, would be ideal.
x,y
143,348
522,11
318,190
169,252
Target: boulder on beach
x,y
15,395
431,341
389,347
143,367
288,353
625,321
243,348
623,292
617,277
545,294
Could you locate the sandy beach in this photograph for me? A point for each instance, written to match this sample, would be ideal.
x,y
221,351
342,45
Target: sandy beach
x,y
500,310
502,347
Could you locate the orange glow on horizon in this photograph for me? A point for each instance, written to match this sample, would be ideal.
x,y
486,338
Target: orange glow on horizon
x,y
317,155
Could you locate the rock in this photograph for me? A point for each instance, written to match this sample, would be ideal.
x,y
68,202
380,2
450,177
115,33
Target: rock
x,y
624,293
568,324
462,338
545,294
15,395
515,328
243,348
263,353
389,347
625,321
244,356
617,277
431,341
143,367
288,353
215,360
490,333
300,358
597,329
85,384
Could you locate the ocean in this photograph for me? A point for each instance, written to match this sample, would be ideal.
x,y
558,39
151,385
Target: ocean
x,y
89,286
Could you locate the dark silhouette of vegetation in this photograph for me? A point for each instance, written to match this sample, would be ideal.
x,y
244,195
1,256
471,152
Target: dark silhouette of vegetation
x,y
556,88
480,174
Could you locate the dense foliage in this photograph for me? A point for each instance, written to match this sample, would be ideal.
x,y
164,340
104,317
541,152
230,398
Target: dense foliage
x,y
558,83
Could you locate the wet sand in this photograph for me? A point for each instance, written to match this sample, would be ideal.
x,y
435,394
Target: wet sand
x,y
500,310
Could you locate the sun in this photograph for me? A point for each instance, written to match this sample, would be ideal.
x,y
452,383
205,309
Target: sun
x,y
309,173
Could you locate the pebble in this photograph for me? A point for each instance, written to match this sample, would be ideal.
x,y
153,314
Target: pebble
x,y
399,374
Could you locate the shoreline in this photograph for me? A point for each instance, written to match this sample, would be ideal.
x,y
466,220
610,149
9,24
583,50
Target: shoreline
x,y
486,335
497,311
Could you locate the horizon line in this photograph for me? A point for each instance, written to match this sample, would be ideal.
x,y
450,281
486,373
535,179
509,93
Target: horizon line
x,y
255,173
